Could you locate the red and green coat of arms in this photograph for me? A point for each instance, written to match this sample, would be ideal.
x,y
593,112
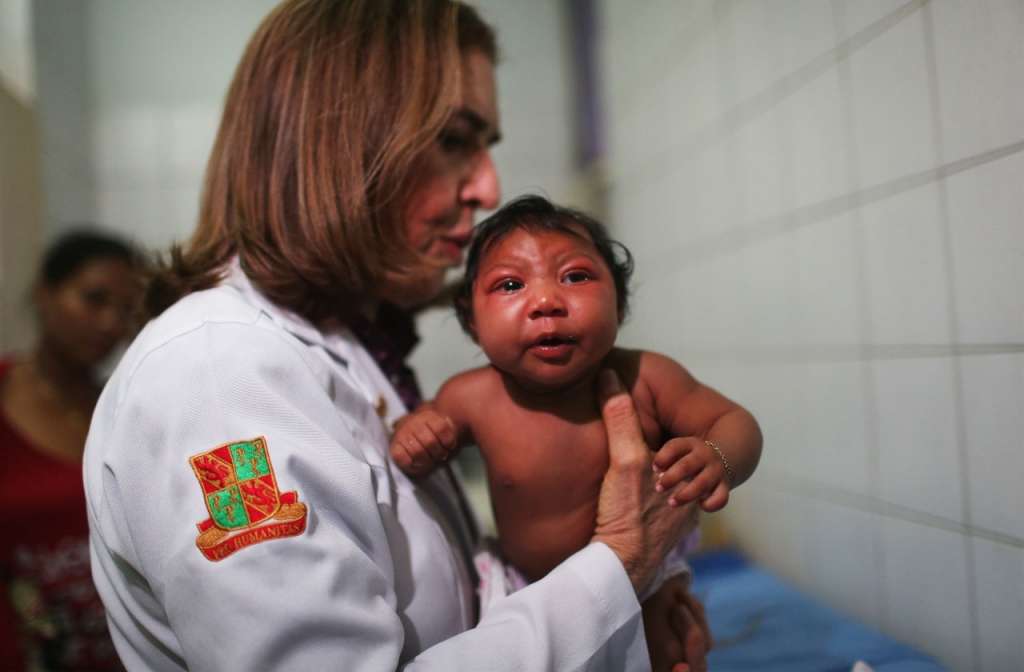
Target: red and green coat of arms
x,y
243,500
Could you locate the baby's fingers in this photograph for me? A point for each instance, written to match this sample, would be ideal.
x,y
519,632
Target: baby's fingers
x,y
702,488
717,500
678,472
410,456
436,435
672,452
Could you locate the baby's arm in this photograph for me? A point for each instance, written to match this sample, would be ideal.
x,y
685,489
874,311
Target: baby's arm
x,y
433,433
718,444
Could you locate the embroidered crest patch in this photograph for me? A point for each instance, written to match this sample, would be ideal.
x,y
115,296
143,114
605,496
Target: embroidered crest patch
x,y
242,498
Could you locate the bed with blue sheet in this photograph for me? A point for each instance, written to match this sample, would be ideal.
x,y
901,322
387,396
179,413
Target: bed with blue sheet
x,y
761,624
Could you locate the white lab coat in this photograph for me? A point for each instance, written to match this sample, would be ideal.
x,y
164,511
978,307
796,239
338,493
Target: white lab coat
x,y
380,576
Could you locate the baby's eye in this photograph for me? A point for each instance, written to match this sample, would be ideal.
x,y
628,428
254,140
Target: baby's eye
x,y
576,276
510,285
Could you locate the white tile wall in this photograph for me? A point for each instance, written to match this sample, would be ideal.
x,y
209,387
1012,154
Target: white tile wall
x,y
927,600
136,212
1000,605
769,271
782,546
127,144
840,319
968,74
906,269
778,395
986,220
693,88
818,148
994,412
859,15
762,180
891,109
836,450
842,542
917,435
827,296
806,31
189,132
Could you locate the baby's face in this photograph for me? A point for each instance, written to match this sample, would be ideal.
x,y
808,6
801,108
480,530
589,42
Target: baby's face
x,y
544,308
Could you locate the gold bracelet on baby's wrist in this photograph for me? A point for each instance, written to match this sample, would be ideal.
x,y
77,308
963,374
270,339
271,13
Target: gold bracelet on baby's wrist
x,y
725,462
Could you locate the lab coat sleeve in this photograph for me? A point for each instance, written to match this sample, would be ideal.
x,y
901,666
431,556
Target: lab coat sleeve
x,y
320,600
583,615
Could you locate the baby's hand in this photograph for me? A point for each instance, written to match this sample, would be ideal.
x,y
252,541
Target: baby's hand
x,y
695,464
423,440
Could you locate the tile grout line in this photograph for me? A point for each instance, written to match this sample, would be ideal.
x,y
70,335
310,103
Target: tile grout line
x,y
734,118
806,487
956,363
815,354
853,203
688,37
699,251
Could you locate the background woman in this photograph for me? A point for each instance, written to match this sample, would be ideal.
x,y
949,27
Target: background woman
x,y
86,299
244,509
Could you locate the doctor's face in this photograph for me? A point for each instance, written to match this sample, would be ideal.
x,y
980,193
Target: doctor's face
x,y
456,178
545,308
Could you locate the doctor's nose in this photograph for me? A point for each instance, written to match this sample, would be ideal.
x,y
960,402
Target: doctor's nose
x,y
482,189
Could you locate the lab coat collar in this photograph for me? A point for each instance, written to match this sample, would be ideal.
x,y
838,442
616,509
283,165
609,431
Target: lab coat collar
x,y
291,322
338,342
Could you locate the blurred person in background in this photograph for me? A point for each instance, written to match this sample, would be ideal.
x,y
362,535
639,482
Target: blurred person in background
x,y
86,299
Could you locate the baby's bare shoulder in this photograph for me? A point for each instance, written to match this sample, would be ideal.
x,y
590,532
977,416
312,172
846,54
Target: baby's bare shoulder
x,y
467,390
656,381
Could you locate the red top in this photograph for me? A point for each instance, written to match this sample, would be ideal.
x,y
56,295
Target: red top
x,y
50,614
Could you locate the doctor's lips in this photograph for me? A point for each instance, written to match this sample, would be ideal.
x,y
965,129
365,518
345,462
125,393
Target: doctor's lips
x,y
455,243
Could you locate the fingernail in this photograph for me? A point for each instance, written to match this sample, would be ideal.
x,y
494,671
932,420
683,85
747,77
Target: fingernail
x,y
672,502
658,487
608,382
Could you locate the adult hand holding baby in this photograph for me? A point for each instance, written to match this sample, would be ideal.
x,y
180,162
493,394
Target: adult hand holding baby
x,y
636,522
633,519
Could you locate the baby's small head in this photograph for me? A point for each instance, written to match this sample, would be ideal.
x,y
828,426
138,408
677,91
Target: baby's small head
x,y
536,214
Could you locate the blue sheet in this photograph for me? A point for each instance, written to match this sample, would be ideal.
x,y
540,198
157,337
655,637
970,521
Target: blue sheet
x,y
761,624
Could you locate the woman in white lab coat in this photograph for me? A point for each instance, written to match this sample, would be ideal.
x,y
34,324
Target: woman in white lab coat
x,y
244,510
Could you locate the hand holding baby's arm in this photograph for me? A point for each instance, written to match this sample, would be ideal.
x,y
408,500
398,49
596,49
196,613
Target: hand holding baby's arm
x,y
423,440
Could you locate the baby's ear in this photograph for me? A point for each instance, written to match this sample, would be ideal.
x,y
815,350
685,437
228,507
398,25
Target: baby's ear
x,y
465,310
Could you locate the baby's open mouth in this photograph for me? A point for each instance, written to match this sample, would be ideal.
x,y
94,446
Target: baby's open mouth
x,y
553,342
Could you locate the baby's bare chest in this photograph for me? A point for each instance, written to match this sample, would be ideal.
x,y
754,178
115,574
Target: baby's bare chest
x,y
547,455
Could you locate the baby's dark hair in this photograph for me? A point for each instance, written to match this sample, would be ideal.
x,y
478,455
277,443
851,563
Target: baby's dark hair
x,y
537,214
73,250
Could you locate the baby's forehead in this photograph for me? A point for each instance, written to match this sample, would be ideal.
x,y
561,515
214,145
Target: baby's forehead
x,y
571,231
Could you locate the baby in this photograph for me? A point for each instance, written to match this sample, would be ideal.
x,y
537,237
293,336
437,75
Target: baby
x,y
544,294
